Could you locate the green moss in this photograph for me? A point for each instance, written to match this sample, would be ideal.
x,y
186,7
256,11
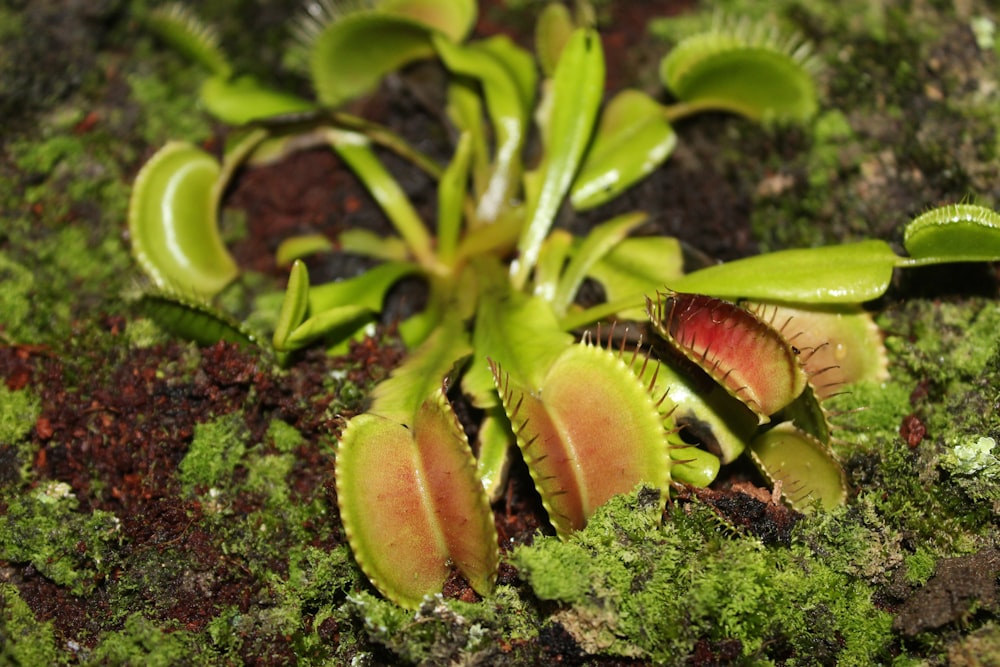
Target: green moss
x,y
920,566
15,300
23,640
46,529
654,591
266,475
143,642
19,411
170,106
447,631
216,450
284,436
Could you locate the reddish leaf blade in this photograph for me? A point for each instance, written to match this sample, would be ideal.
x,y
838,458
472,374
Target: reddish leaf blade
x,y
590,431
412,505
461,508
388,522
735,347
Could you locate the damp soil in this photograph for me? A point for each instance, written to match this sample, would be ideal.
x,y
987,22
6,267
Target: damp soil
x,y
115,425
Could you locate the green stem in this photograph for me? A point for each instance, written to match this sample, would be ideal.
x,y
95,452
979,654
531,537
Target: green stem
x,y
385,137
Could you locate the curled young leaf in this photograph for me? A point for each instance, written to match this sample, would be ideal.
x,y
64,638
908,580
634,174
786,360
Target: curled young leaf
x,y
736,348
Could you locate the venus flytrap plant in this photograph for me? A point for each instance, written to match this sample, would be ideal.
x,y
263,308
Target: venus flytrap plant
x,y
736,356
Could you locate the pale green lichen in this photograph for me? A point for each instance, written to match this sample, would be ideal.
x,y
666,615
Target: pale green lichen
x,y
973,457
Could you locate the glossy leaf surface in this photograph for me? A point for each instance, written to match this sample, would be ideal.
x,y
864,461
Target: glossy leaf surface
x,y
736,348
172,222
587,431
633,138
849,273
497,69
955,233
745,69
577,86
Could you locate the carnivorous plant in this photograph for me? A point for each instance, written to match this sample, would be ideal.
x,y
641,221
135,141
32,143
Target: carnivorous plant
x,y
686,370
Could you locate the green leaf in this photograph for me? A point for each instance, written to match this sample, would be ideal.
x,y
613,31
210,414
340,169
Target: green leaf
x,y
849,273
498,66
451,199
552,30
521,330
357,152
465,110
954,233
334,325
702,409
412,505
637,267
744,68
633,139
172,222
297,247
399,397
809,473
195,320
244,99
597,244
551,260
177,25
493,443
350,55
577,88
368,289
454,18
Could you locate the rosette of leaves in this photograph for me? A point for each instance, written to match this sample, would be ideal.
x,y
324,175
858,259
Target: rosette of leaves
x,y
736,356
